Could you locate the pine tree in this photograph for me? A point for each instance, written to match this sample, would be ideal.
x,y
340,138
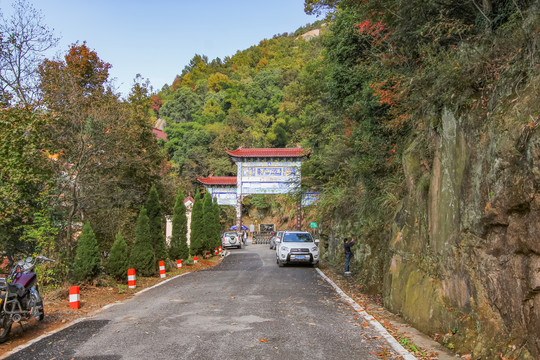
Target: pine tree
x,y
118,259
197,232
142,255
209,227
153,208
217,230
179,249
87,257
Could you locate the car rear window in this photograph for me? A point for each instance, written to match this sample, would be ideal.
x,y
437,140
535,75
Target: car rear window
x,y
297,237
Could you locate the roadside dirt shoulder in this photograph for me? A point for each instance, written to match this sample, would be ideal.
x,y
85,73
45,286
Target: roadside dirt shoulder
x,y
93,299
419,344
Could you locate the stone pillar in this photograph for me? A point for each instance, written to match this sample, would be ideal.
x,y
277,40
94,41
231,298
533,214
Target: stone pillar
x,y
299,215
168,229
239,213
239,197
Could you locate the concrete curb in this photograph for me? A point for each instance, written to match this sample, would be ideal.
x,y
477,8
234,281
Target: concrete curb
x,y
370,319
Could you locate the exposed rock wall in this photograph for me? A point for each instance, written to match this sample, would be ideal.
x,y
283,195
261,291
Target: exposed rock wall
x,y
465,244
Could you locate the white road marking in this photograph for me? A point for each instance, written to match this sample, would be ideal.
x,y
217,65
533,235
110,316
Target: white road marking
x,y
370,319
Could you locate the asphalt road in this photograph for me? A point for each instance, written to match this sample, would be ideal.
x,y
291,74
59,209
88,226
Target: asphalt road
x,y
245,308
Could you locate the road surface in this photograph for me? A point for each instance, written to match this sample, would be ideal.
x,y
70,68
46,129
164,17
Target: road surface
x,y
244,308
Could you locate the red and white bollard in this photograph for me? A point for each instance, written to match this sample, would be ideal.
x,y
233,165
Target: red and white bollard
x,y
195,260
74,297
219,250
215,251
179,264
132,283
162,269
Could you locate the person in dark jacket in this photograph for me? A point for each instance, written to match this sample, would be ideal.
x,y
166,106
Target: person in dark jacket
x,y
347,244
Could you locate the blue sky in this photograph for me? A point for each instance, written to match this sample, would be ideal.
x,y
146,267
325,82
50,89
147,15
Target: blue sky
x,y
158,38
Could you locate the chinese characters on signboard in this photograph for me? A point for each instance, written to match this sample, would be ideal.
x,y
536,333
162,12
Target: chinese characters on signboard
x,y
310,198
281,177
224,195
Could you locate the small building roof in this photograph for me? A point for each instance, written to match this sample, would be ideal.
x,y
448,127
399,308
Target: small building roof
x,y
188,199
218,180
159,134
269,152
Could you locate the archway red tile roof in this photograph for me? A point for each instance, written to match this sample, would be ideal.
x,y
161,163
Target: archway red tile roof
x,y
268,152
218,180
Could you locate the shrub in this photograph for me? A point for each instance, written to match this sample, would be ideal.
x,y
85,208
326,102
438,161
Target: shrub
x,y
197,231
118,259
217,224
153,208
179,248
87,258
208,222
142,255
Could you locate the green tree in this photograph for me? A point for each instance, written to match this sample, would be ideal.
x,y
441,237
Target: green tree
x,y
179,249
86,265
104,147
182,106
209,225
197,228
188,147
153,208
217,223
117,263
27,177
141,257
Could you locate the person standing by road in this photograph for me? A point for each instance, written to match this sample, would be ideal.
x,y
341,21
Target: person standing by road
x,y
244,238
347,244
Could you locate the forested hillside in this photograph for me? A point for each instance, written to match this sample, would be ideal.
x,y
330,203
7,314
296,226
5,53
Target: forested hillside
x,y
421,118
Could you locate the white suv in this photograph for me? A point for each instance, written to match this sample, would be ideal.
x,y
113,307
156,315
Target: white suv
x,y
231,239
297,247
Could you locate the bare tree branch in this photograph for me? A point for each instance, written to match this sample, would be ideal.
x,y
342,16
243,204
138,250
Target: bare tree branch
x,y
24,39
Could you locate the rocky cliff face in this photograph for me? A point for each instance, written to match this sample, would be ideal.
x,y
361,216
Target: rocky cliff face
x,y
465,244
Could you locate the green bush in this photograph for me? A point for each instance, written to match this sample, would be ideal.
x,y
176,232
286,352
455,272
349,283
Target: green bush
x,y
117,264
179,249
153,208
197,231
208,222
217,224
87,258
142,255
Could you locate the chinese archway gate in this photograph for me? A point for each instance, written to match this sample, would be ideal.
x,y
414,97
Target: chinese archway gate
x,y
259,171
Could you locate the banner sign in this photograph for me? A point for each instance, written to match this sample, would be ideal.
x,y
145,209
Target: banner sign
x,y
310,198
278,177
224,195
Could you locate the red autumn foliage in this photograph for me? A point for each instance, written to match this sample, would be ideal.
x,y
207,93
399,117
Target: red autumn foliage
x,y
391,93
155,104
377,30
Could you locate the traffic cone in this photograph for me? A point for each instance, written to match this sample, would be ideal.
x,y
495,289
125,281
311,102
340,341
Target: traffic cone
x,y
162,269
132,283
74,297
215,251
195,260
179,264
219,250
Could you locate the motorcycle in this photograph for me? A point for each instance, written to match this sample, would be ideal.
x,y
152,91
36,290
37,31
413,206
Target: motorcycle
x,y
19,295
